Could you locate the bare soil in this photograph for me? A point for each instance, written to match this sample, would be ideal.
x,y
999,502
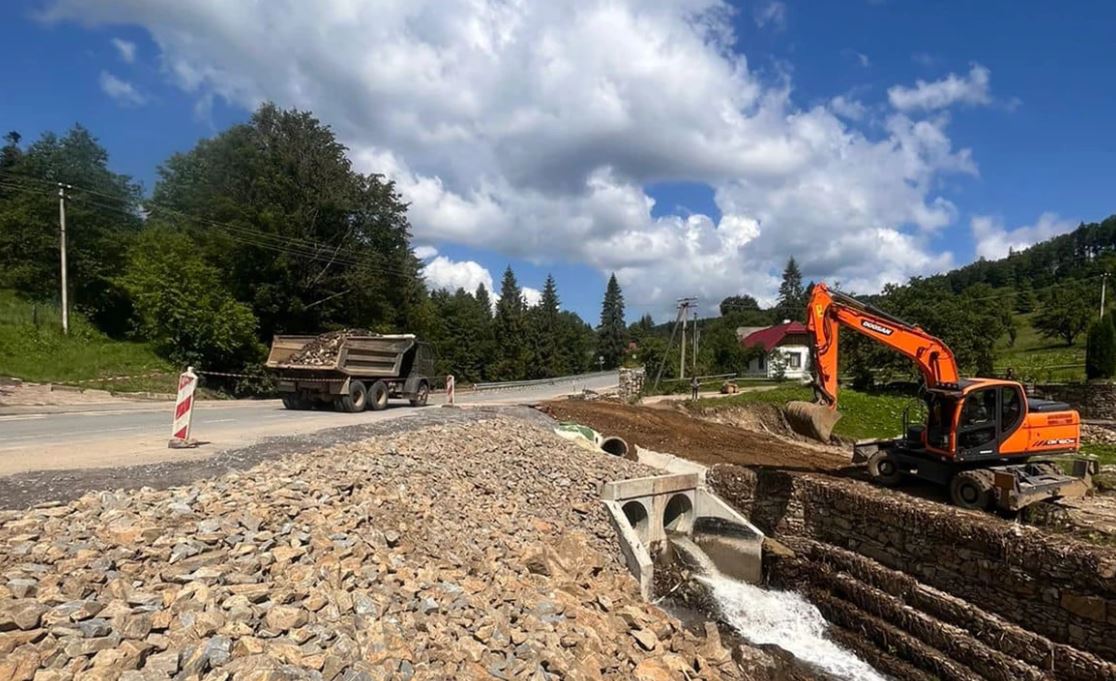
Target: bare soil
x,y
676,432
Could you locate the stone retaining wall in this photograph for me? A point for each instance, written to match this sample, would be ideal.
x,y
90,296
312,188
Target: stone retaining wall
x,y
631,383
1092,400
956,594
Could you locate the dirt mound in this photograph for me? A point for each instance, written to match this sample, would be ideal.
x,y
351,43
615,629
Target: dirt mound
x,y
323,350
676,432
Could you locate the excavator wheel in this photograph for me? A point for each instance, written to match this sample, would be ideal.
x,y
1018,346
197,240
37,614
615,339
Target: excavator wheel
x,y
811,419
883,469
972,489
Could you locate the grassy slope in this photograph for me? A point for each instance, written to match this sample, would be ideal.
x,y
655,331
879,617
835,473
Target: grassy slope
x,y
33,348
1032,356
865,416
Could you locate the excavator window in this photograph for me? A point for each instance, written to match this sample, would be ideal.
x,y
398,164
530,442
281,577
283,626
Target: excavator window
x,y
978,419
939,419
1011,409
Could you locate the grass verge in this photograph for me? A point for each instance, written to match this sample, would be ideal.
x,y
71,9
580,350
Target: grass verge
x,y
33,348
865,415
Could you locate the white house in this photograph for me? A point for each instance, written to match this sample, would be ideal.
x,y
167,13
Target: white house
x,y
790,341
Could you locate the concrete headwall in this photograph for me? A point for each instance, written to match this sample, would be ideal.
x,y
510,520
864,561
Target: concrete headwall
x,y
630,383
1092,400
932,589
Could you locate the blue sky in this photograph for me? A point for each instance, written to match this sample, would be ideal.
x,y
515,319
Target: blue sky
x,y
1026,87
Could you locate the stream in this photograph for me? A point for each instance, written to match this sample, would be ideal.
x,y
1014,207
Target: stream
x,y
782,618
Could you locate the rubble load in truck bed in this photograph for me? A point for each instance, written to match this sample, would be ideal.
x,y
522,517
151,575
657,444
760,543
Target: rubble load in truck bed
x,y
323,350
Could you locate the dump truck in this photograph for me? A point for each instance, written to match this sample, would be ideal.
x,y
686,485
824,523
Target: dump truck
x,y
985,439
351,371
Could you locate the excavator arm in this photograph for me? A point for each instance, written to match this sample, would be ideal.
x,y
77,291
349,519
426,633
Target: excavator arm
x,y
826,312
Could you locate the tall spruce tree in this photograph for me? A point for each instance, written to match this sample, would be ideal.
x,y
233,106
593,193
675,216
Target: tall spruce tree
x,y
792,296
612,334
546,334
509,325
1100,350
486,338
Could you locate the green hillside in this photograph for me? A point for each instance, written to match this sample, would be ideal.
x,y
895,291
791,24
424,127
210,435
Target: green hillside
x,y
33,348
1035,358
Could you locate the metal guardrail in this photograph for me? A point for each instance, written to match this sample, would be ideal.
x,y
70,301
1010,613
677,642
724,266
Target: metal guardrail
x,y
501,385
700,378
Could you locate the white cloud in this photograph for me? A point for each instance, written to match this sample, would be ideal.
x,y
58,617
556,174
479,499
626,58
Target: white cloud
x,y
123,92
993,240
532,296
772,13
863,59
939,94
532,129
126,49
441,272
425,252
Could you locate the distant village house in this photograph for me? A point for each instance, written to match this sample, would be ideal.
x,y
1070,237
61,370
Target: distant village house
x,y
788,339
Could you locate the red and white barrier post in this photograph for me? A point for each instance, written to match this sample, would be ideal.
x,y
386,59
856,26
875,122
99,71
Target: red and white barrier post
x,y
184,411
449,389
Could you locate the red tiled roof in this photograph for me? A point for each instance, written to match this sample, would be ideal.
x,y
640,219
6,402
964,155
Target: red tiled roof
x,y
770,337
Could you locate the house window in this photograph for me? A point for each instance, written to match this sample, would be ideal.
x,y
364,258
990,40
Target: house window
x,y
795,360
761,362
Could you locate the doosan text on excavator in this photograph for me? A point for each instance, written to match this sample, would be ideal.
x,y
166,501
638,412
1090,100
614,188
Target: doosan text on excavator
x,y
984,438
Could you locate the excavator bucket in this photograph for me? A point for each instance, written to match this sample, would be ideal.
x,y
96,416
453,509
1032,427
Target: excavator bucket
x,y
811,419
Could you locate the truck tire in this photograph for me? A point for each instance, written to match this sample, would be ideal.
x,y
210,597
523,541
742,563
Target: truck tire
x,y
378,396
883,469
292,402
356,400
972,489
421,397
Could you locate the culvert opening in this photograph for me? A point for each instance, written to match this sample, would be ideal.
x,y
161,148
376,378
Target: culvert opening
x,y
615,446
636,514
678,517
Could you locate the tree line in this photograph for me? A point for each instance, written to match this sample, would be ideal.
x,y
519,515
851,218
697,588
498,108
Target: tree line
x,y
265,228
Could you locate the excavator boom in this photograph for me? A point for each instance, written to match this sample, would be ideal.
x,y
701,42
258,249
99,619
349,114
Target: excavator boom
x,y
826,312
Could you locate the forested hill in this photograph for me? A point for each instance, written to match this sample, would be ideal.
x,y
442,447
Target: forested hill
x,y
1089,250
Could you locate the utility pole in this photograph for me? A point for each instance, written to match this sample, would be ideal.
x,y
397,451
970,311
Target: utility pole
x,y
62,254
1104,285
693,361
685,312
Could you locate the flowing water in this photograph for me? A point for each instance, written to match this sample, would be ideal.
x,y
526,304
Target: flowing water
x,y
782,618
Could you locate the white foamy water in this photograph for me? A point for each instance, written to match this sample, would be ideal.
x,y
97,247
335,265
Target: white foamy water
x,y
782,618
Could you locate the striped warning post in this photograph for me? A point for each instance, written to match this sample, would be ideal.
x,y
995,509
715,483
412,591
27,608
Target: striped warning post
x,y
184,411
450,388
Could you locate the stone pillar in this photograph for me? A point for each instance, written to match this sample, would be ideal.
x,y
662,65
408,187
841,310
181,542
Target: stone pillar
x,y
631,383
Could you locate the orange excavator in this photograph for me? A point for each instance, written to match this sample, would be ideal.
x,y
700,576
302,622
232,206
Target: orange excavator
x,y
984,438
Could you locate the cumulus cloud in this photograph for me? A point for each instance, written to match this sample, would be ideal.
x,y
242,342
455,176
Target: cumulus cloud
x,y
772,13
441,272
993,240
123,92
126,49
939,94
533,129
532,296
425,252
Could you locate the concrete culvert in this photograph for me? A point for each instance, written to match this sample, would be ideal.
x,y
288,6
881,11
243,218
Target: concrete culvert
x,y
678,516
615,446
636,513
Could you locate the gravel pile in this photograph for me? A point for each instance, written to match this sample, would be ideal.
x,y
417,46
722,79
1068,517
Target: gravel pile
x,y
460,550
323,350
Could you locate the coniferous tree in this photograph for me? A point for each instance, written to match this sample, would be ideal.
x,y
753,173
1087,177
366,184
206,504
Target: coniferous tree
x,y
546,334
509,327
1100,350
792,296
612,334
486,338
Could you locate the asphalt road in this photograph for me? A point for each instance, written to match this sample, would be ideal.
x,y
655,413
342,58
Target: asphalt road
x,y
128,433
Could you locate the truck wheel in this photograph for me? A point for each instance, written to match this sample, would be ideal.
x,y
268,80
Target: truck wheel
x,y
971,489
423,394
292,402
356,400
883,469
378,396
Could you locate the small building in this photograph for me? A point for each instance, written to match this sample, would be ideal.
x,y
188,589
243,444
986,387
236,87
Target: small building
x,y
790,340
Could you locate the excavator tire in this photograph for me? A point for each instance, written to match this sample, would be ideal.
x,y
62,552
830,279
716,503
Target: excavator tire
x,y
883,469
972,489
811,419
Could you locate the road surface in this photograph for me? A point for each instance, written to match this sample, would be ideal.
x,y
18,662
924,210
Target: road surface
x,y
129,433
